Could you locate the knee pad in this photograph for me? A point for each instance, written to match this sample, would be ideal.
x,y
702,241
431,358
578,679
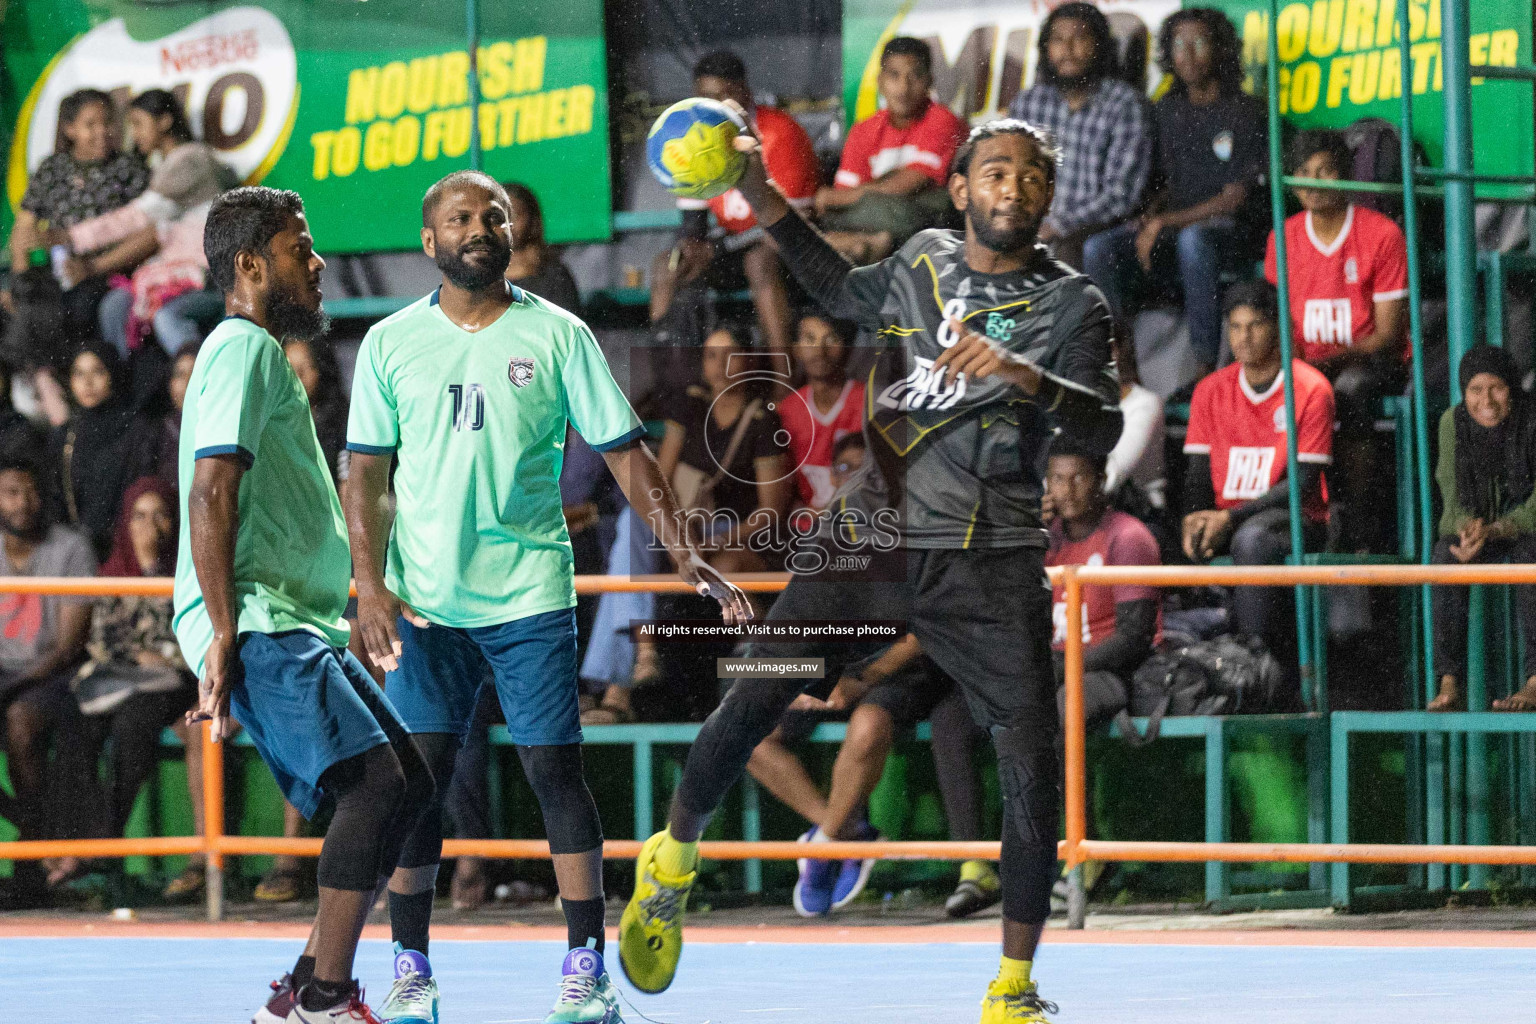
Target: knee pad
x,y
1029,773
368,790
570,815
420,828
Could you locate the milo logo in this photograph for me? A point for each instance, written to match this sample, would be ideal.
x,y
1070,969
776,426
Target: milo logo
x,y
234,71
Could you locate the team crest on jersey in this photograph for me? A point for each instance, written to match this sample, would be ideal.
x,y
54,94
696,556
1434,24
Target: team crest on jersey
x,y
520,371
1280,420
1221,145
1351,271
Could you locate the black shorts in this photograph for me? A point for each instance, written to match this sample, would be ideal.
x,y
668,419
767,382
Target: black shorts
x,y
983,616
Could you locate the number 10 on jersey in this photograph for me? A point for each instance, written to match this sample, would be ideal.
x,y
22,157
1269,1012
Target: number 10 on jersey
x,y
468,406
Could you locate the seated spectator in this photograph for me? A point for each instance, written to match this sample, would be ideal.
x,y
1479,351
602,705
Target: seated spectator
x,y
1347,271
314,363
724,455
616,661
744,257
1212,150
832,405
1487,479
160,233
892,181
100,450
42,643
892,689
19,436
1138,458
168,447
1100,123
86,176
134,682
1235,491
536,266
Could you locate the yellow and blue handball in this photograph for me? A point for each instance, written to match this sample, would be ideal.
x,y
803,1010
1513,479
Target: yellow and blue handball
x,y
690,152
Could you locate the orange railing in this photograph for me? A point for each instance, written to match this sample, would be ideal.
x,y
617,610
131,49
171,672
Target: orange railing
x,y
1074,849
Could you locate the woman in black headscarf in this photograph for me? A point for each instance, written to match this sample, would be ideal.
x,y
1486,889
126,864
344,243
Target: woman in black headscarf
x,y
102,448
1487,478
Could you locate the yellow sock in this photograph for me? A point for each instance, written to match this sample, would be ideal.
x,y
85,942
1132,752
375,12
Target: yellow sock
x,y
981,872
674,858
1013,972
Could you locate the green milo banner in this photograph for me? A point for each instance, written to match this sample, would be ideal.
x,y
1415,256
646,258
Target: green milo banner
x,y
1339,59
357,106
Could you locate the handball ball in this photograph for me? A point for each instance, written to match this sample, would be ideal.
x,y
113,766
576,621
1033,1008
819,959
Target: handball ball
x,y
690,152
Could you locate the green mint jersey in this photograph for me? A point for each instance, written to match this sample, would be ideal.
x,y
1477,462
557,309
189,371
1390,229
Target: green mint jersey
x,y
293,568
477,423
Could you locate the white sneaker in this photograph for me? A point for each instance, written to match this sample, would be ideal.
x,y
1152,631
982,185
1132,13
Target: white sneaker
x,y
351,1010
413,997
586,994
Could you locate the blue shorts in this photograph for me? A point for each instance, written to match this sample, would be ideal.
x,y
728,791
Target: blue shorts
x,y
308,705
531,661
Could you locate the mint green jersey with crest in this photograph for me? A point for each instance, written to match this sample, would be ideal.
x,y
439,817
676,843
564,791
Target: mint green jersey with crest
x,y
477,422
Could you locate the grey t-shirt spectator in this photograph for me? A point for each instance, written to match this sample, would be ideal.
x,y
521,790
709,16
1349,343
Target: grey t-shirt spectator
x,y
1202,150
29,623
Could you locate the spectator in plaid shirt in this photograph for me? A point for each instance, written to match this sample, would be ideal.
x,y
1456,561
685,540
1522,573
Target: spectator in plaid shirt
x,y
1208,216
1101,124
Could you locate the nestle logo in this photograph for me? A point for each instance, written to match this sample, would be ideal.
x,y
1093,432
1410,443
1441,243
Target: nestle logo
x,y
209,52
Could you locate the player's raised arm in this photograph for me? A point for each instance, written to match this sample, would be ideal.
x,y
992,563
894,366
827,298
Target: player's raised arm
x,y
848,292
638,475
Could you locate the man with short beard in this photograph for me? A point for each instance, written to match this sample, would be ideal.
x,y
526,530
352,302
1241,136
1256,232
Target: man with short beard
x,y
42,642
262,581
469,392
990,345
1102,125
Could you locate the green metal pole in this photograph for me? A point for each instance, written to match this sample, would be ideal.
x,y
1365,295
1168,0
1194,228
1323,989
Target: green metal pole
x,y
1433,746
1282,281
472,41
1461,298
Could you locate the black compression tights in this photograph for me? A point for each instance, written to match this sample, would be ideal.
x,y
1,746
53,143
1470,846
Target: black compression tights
x,y
376,792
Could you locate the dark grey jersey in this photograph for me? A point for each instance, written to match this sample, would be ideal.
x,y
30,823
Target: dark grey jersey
x,y
961,464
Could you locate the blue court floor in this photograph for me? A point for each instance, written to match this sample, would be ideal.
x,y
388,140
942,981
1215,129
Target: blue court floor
x,y
219,981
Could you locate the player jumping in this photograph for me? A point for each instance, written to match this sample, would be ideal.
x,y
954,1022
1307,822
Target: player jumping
x,y
262,582
994,344
469,391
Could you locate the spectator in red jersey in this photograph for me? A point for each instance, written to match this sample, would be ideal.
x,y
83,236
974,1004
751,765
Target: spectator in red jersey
x,y
893,177
832,406
744,257
1347,276
1235,494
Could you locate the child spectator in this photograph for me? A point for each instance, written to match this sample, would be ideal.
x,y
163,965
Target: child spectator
x,y
892,181
1235,492
102,448
535,266
1100,123
42,642
744,258
135,682
831,406
1211,149
87,175
314,363
1487,478
169,443
161,231
1347,271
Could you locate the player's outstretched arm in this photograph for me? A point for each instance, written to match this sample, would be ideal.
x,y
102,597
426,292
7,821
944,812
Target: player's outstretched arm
x,y
639,477
213,518
367,512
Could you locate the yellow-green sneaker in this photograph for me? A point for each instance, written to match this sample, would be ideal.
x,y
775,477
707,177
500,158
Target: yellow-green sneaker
x,y
651,930
1011,1003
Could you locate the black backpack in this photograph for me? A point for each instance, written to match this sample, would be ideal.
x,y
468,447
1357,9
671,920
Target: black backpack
x,y
1230,675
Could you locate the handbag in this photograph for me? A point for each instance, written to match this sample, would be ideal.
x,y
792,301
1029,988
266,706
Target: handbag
x,y
691,486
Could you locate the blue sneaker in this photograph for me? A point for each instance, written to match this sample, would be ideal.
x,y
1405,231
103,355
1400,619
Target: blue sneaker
x,y
813,890
586,994
853,875
412,998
